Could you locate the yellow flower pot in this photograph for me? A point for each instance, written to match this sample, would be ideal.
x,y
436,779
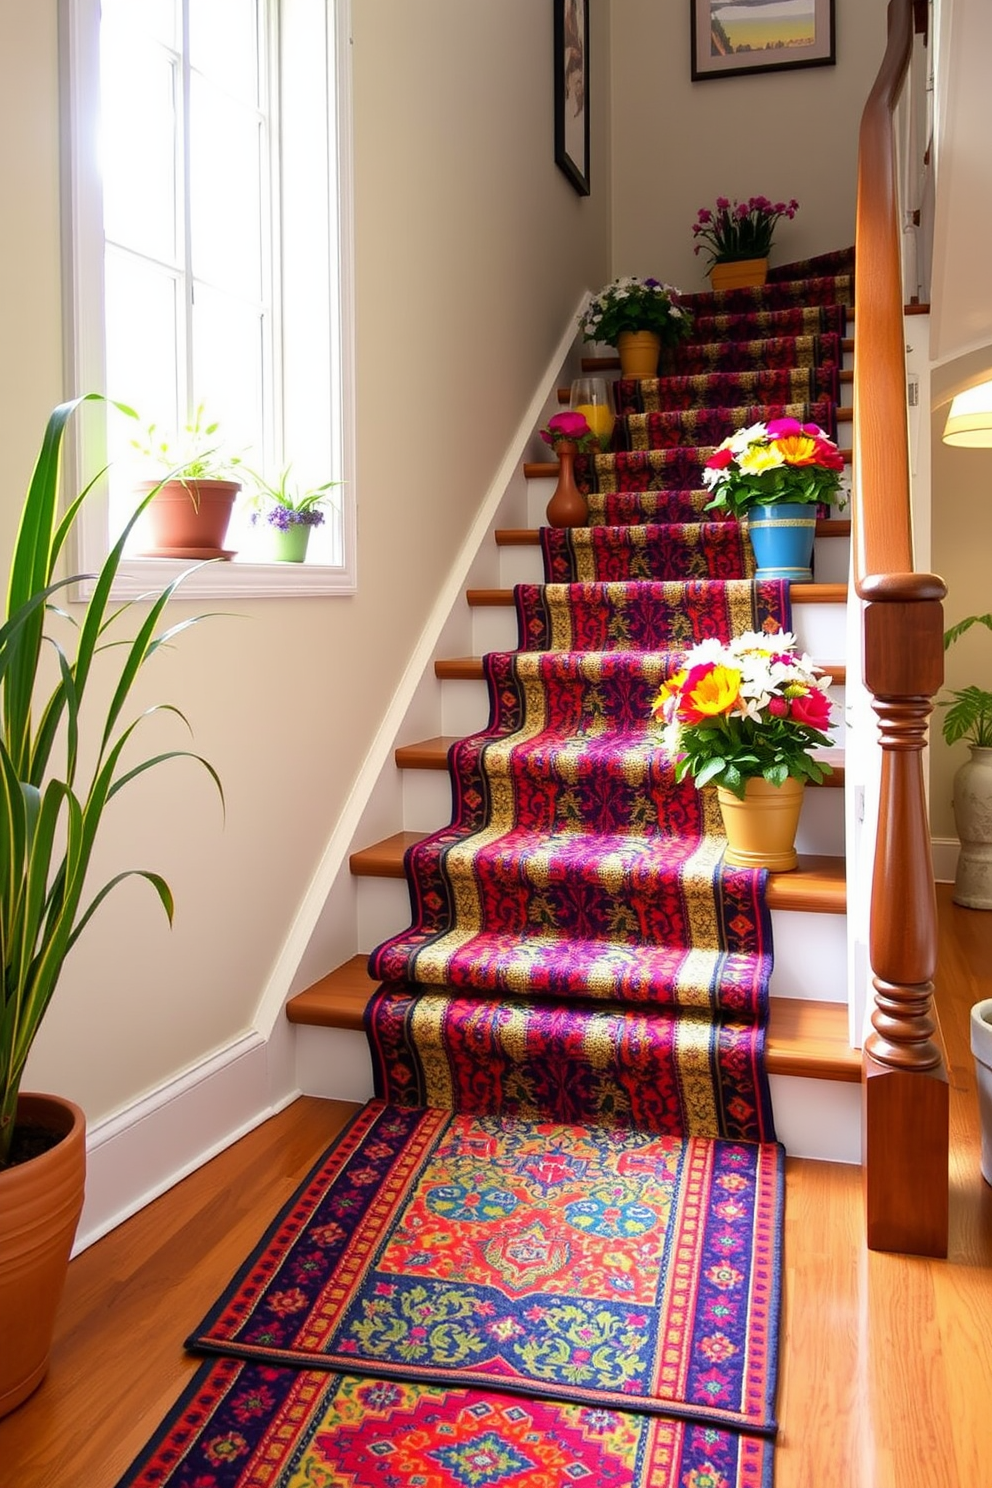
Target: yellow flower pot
x,y
761,829
742,273
639,353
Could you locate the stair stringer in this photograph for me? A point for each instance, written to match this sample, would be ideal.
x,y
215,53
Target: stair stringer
x,y
326,929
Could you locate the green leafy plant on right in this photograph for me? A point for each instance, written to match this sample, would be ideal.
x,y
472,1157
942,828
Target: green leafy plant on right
x,y
969,711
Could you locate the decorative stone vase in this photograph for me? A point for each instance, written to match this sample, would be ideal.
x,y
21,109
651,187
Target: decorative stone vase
x,y
761,829
972,801
40,1204
740,273
639,353
189,519
782,537
981,1048
289,545
567,507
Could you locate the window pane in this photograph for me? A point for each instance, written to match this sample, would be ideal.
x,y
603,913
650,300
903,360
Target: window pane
x,y
157,19
138,145
225,192
227,368
223,44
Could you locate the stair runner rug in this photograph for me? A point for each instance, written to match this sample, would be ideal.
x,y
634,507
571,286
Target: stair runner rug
x,y
548,1251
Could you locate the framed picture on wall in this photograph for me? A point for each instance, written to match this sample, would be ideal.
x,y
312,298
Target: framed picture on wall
x,y
571,53
731,37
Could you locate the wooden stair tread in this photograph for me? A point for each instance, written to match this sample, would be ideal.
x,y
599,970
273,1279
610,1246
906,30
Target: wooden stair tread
x,y
432,754
804,1037
800,594
818,883
530,537
470,669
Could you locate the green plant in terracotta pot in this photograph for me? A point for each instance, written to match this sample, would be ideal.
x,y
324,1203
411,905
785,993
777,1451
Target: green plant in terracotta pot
x,y
53,716
193,502
288,513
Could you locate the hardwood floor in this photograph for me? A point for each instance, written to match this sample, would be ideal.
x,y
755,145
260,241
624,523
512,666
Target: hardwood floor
x,y
886,1372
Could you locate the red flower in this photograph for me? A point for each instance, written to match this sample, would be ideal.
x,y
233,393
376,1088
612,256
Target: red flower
x,y
812,709
719,459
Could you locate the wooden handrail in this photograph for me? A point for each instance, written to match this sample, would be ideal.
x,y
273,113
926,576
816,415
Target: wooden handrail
x,y
905,1081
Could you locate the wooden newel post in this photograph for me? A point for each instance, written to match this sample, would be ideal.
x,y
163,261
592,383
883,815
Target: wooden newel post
x,y
905,1084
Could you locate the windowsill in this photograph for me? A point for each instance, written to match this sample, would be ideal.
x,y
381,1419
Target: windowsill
x,y
141,578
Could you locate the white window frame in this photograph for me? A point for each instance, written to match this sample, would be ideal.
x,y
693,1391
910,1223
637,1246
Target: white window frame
x,y
83,320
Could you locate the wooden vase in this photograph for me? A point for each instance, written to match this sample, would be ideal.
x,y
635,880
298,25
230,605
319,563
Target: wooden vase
x,y
740,273
761,829
568,506
639,353
40,1204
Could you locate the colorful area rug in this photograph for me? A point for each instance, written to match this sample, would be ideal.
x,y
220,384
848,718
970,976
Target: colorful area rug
x,y
243,1425
581,1264
548,1252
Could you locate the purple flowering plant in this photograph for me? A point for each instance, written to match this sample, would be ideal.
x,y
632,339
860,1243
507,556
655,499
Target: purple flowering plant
x,y
739,229
282,505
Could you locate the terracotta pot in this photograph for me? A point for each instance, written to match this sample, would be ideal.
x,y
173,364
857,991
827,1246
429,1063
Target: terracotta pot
x,y
40,1204
567,507
761,829
741,273
188,519
639,353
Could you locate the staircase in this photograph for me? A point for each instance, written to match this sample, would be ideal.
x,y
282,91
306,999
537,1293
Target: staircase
x,y
815,1068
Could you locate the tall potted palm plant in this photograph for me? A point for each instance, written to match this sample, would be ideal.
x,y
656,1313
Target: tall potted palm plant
x,y
50,814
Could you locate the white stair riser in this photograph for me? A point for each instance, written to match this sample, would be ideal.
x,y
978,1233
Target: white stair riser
x,y
818,627
813,1118
427,806
810,949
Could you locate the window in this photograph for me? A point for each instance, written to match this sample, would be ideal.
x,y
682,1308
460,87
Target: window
x,y
209,253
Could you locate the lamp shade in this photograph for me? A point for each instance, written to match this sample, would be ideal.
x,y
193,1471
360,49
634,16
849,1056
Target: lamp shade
x,y
969,422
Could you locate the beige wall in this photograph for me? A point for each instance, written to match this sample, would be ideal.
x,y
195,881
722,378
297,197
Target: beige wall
x,y
782,135
471,250
962,555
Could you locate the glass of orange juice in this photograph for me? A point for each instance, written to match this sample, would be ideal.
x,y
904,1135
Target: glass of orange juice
x,y
593,398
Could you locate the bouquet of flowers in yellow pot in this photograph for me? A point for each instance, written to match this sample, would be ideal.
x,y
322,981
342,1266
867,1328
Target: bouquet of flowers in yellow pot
x,y
754,706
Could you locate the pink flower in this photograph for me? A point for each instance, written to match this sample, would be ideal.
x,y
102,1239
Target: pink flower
x,y
778,707
812,709
719,459
565,426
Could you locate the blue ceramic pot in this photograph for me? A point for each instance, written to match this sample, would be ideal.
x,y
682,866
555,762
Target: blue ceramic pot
x,y
782,538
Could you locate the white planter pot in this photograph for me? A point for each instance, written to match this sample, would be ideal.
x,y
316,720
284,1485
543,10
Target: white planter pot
x,y
981,1047
973,819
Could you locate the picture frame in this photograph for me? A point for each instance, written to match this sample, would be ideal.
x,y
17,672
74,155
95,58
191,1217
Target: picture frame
x,y
795,33
571,92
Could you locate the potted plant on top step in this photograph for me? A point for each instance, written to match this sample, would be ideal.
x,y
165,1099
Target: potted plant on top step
x,y
738,238
192,505
51,808
638,317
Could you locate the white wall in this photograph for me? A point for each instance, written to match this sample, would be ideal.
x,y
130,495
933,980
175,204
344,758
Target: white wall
x,y
472,249
782,135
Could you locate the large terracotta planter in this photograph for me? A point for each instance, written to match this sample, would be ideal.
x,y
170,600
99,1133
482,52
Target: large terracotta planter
x,y
189,519
639,353
740,273
567,507
761,829
40,1204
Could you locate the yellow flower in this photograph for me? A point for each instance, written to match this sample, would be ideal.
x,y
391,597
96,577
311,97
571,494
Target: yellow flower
x,y
713,692
669,690
760,457
796,449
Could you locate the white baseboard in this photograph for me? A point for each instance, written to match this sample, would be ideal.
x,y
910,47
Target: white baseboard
x,y
139,1152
